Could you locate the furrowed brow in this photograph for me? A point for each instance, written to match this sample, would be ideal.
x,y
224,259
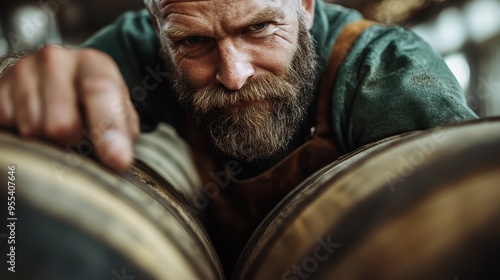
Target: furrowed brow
x,y
164,5
173,32
265,15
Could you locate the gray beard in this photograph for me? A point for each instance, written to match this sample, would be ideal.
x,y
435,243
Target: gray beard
x,y
261,130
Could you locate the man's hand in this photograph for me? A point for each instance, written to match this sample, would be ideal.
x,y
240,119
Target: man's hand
x,y
67,95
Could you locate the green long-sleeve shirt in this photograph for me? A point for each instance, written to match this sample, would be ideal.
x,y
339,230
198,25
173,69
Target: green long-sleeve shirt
x,y
390,82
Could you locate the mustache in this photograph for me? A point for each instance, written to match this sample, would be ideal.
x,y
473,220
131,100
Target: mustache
x,y
261,88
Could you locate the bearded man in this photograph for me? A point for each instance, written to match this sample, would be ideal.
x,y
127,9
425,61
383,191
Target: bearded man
x,y
253,86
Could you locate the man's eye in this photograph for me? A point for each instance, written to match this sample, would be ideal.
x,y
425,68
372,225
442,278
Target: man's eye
x,y
193,40
259,26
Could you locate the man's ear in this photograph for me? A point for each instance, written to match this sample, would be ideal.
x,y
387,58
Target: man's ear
x,y
308,6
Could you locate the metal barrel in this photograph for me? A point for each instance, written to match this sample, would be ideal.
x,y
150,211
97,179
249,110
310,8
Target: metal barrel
x,y
75,219
424,205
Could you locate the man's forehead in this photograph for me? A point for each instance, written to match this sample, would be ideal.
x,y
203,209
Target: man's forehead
x,y
233,3
166,2
221,14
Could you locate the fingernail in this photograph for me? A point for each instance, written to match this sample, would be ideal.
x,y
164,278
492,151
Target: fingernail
x,y
119,149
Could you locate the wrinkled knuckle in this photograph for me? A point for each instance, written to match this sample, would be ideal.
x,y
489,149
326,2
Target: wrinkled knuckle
x,y
104,60
88,54
94,56
48,54
51,48
97,85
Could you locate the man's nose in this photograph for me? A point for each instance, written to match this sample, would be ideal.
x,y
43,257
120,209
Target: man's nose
x,y
235,66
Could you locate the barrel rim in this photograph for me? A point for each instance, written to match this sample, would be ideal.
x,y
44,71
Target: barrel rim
x,y
243,266
187,217
89,167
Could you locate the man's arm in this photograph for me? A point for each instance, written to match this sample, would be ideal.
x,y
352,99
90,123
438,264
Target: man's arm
x,y
392,82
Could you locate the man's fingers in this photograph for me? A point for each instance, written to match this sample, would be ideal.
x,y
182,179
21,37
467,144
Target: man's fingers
x,y
26,97
61,121
68,96
103,100
112,142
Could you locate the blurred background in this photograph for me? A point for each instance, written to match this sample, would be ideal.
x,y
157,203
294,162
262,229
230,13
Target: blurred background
x,y
465,32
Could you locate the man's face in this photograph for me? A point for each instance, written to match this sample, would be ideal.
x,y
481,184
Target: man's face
x,y
245,68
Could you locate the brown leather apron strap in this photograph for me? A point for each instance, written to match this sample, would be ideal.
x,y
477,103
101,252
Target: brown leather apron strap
x,y
235,212
340,50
